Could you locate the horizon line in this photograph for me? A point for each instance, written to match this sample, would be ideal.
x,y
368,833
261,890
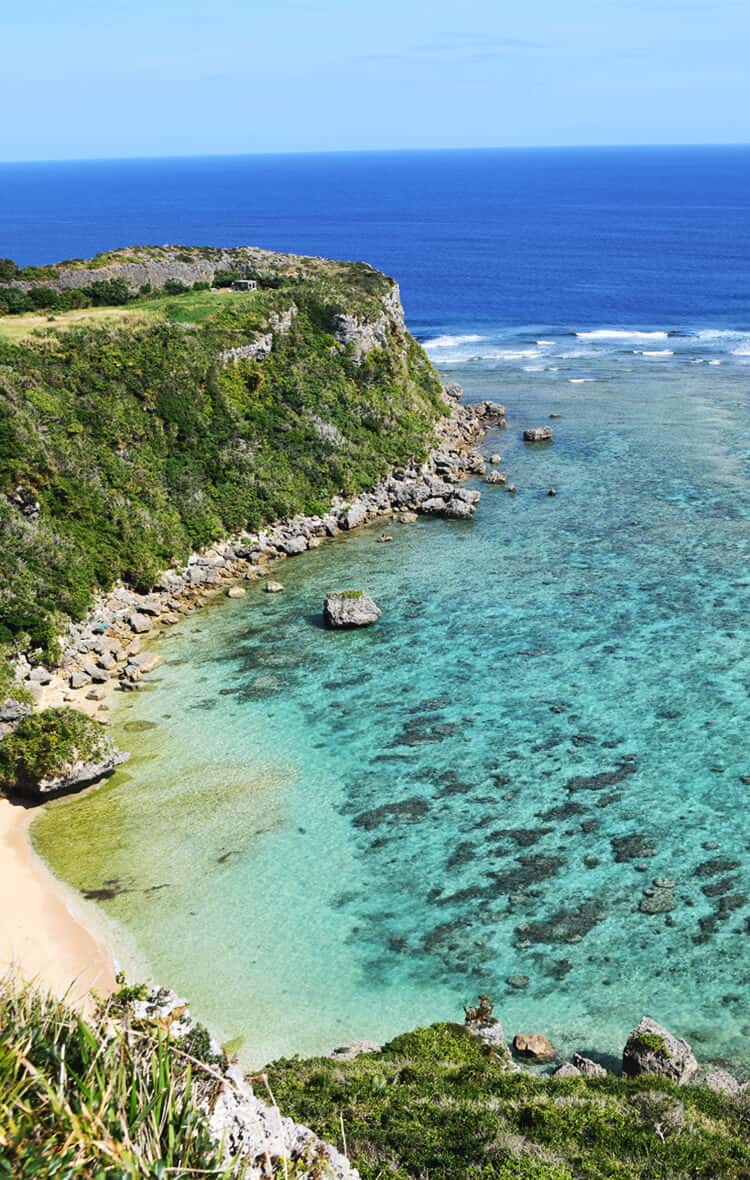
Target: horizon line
x,y
539,147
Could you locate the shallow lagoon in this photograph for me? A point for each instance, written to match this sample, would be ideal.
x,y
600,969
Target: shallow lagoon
x,y
332,836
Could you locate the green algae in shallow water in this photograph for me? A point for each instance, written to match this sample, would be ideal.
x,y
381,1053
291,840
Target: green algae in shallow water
x,y
139,726
537,606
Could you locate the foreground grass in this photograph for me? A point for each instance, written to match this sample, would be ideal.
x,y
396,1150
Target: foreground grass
x,y
434,1104
95,1099
111,1099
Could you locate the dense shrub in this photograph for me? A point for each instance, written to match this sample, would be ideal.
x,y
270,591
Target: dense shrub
x,y
48,744
175,287
8,270
109,292
225,278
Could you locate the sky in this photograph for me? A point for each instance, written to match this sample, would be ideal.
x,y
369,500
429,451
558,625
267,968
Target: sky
x,y
114,78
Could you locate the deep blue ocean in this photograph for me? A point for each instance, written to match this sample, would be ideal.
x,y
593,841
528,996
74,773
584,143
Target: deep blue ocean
x,y
514,237
321,837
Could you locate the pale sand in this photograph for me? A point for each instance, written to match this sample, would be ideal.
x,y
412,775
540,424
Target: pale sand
x,y
41,937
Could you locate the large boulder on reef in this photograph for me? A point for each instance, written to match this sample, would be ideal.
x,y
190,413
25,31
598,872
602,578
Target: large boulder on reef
x,y
350,608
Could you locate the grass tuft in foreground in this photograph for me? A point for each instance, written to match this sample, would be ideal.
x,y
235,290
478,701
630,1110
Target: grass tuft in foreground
x,y
96,1099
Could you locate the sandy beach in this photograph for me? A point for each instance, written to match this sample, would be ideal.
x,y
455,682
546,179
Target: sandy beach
x,y
40,937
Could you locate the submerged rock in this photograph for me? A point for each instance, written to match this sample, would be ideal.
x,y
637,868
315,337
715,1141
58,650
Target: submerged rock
x,y
651,1049
350,608
518,982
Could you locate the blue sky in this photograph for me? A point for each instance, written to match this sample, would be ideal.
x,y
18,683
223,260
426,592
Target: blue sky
x,y
92,78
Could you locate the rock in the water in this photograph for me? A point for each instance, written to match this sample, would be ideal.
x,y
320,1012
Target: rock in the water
x,y
407,517
80,773
146,661
496,477
533,1045
350,608
651,1049
273,587
518,982
538,434
236,592
495,459
139,623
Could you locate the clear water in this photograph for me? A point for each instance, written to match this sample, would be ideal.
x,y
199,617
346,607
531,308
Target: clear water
x,y
548,641
330,836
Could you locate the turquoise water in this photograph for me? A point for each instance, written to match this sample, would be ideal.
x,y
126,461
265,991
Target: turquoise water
x,y
327,836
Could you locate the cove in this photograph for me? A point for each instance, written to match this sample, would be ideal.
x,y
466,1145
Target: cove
x,y
328,836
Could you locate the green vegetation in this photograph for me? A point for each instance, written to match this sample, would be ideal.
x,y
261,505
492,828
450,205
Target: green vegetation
x,y
350,593
95,1100
104,293
47,745
653,1043
10,689
435,1103
113,1098
141,445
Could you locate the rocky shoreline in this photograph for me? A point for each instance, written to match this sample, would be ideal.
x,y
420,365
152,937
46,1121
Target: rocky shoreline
x,y
104,652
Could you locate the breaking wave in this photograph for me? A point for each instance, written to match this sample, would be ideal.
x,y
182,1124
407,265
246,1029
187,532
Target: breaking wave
x,y
621,334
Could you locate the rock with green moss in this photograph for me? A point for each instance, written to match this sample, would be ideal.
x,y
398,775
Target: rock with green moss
x,y
53,751
350,608
651,1049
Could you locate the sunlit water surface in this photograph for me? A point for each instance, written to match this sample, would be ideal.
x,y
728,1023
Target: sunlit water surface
x,y
326,836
